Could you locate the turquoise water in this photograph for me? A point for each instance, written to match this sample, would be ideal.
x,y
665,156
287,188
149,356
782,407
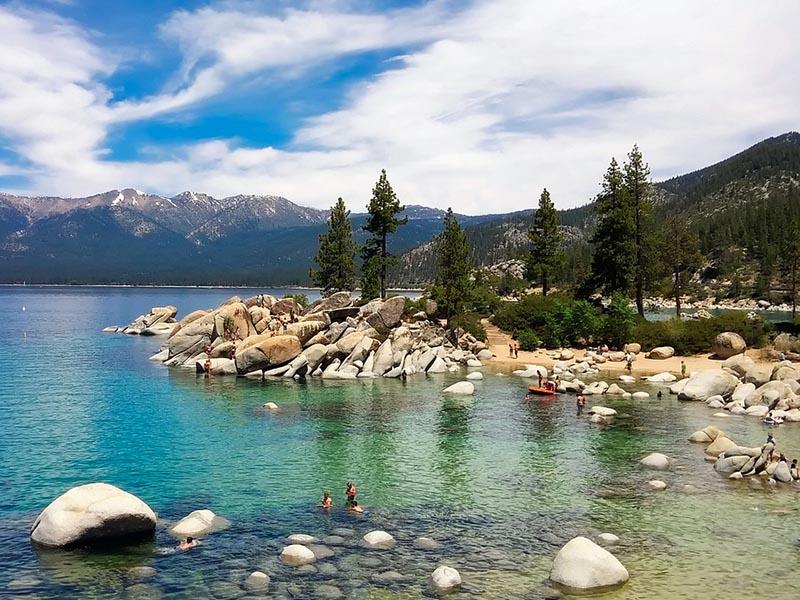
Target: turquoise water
x,y
502,484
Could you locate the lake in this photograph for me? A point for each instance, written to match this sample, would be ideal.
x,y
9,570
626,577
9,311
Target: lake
x,y
501,483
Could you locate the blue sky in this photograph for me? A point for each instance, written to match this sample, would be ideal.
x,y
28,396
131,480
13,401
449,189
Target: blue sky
x,y
476,104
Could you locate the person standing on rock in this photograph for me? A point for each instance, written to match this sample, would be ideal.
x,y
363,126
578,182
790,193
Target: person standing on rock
x,y
516,350
683,370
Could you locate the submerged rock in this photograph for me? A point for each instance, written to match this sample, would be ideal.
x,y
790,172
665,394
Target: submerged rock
x,y
656,461
92,513
462,387
445,579
297,555
378,539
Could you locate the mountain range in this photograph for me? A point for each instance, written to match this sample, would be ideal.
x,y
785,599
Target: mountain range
x,y
131,237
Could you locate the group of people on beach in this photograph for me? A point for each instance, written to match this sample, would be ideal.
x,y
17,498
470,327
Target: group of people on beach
x,y
513,349
350,499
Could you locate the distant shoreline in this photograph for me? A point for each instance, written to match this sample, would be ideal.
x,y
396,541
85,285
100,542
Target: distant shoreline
x,y
188,287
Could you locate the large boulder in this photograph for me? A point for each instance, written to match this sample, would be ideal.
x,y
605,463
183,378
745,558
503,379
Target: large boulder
x,y
758,375
236,319
194,335
704,384
664,377
661,353
719,445
305,330
384,358
739,364
91,513
388,315
378,540
332,302
728,344
583,565
264,351
190,318
287,306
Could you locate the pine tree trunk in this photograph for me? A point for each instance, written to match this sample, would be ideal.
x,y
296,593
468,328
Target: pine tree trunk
x,y
544,283
794,293
678,293
639,265
383,267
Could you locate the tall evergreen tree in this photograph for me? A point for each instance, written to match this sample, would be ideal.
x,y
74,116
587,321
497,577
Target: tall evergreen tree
x,y
382,221
681,249
790,261
546,256
336,254
453,268
638,189
614,255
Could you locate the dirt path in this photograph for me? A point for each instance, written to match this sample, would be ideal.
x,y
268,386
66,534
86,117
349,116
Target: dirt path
x,y
498,341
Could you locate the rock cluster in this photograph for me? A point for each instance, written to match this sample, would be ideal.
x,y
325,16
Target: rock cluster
x,y
159,321
744,388
736,462
332,339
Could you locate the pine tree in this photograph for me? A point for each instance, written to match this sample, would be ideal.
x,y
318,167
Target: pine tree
x,y
546,256
614,255
381,222
638,190
681,249
453,269
790,260
336,253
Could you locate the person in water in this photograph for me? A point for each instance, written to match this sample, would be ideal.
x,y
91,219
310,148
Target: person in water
x,y
327,501
354,507
188,544
350,492
580,402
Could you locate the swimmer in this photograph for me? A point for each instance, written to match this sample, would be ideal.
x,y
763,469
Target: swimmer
x,y
354,507
327,501
188,544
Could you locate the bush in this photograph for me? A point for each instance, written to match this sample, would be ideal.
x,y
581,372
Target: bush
x,y
528,340
301,299
469,322
697,336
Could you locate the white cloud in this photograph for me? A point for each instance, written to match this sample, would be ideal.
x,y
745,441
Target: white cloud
x,y
500,100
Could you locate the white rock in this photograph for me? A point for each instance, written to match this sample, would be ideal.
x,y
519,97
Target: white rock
x,y
462,387
257,581
603,411
197,523
657,484
271,406
656,461
378,539
583,565
473,362
445,579
608,538
301,538
92,512
475,376
664,377
640,395
627,379
704,384
297,554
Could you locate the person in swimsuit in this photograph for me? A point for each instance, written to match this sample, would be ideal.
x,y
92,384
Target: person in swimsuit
x,y
580,402
327,501
350,492
188,544
354,507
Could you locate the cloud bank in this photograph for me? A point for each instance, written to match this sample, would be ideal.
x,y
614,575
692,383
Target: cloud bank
x,y
480,107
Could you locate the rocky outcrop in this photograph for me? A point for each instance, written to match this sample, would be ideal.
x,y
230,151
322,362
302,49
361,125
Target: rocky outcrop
x,y
728,344
264,351
95,512
159,321
583,565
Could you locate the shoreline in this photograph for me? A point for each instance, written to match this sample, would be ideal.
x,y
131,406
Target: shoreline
x,y
641,365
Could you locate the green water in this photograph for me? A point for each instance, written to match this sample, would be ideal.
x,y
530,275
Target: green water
x,y
503,484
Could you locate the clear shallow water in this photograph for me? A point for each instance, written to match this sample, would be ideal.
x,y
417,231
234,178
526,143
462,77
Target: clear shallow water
x,y
502,484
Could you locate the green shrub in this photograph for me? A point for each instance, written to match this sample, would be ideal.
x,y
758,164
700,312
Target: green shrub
x,y
697,336
469,322
528,340
619,321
